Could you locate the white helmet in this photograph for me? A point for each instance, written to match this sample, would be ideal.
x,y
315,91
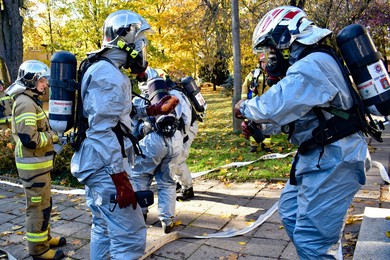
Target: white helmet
x,y
281,26
31,71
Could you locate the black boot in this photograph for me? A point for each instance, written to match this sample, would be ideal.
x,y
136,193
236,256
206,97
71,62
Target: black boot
x,y
185,194
253,149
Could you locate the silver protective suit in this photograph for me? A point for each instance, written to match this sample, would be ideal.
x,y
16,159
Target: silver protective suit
x,y
313,211
160,159
182,173
106,94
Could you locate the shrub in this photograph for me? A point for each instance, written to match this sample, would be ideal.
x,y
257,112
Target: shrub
x,y
7,159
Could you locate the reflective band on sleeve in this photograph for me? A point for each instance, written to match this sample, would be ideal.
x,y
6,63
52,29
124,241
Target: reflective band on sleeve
x,y
43,141
41,116
34,166
26,116
36,199
19,147
37,237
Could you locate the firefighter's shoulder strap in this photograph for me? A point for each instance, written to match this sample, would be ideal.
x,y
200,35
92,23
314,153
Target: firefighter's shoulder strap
x,y
344,122
81,122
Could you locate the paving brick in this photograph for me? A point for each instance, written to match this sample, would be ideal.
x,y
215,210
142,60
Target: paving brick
x,y
82,253
289,253
71,213
19,251
273,231
85,217
210,221
6,217
177,250
67,228
265,247
209,252
84,233
236,244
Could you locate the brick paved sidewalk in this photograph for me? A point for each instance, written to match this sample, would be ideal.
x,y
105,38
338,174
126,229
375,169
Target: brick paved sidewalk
x,y
216,207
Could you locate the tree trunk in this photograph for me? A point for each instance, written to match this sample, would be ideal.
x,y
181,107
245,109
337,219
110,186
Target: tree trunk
x,y
11,38
236,62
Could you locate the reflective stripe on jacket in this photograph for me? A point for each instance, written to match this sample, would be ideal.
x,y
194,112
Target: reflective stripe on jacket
x,y
30,129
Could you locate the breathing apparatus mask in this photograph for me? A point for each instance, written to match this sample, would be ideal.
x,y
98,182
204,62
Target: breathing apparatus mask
x,y
277,62
136,59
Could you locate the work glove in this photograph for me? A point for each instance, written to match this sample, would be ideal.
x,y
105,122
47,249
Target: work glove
x,y
245,129
54,136
125,195
165,106
236,110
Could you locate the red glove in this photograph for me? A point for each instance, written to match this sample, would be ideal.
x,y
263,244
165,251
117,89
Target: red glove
x,y
165,106
236,110
124,191
245,130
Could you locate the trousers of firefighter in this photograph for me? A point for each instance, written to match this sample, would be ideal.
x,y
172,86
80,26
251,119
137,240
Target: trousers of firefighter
x,y
161,142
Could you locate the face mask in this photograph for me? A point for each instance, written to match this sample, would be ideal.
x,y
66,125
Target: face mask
x,y
136,58
277,64
136,65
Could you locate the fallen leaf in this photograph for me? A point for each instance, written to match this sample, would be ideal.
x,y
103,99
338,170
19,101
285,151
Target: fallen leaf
x,y
2,196
5,233
242,243
353,218
348,236
75,242
19,232
16,227
55,218
388,233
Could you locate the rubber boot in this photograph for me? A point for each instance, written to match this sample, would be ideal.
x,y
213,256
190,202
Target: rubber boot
x,y
167,228
185,194
57,241
51,255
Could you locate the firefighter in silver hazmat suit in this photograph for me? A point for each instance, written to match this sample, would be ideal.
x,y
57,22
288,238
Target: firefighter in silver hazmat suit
x,y
327,178
100,162
162,150
189,128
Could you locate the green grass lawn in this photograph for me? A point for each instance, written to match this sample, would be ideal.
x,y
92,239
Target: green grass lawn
x,y
216,144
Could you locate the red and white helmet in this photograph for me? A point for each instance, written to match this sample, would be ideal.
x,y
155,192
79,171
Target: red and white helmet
x,y
281,26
